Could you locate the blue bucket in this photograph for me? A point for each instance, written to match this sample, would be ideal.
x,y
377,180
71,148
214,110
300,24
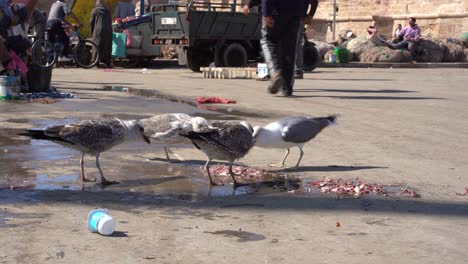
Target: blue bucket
x,y
10,87
99,221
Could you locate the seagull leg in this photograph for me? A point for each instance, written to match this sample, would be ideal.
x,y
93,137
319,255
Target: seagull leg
x,y
281,165
104,181
236,183
207,167
83,176
300,157
167,154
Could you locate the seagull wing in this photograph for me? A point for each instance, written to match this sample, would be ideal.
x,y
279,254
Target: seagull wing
x,y
302,129
96,134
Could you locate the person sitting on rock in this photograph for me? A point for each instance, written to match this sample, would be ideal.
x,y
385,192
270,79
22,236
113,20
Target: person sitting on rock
x,y
410,34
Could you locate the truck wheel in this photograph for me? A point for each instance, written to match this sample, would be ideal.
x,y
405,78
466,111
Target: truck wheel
x,y
311,57
197,59
235,55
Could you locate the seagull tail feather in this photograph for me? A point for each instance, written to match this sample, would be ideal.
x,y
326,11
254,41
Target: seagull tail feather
x,y
35,134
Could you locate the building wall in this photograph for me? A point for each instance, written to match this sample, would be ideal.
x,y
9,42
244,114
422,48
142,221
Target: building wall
x,y
437,18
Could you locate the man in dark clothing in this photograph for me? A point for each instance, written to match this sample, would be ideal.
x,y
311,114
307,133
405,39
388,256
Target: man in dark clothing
x,y
38,23
301,39
56,33
101,28
280,27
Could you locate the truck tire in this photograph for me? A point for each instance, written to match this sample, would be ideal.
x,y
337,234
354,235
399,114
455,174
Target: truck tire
x,y
235,55
311,57
197,59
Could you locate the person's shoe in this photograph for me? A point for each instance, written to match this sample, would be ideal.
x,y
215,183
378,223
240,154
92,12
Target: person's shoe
x,y
299,75
276,84
286,92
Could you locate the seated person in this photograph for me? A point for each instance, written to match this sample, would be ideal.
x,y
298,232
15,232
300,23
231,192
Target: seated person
x,y
396,36
374,37
410,34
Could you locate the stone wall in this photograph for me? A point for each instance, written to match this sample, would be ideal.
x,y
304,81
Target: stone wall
x,y
437,18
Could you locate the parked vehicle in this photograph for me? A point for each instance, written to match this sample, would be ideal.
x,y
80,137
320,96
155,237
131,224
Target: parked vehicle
x,y
140,49
212,32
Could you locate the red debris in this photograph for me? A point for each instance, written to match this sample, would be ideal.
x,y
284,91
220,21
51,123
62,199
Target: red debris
x,y
338,224
465,193
215,100
222,170
354,188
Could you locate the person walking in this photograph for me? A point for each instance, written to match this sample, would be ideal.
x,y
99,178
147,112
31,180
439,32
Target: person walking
x,y
280,26
301,39
125,8
101,30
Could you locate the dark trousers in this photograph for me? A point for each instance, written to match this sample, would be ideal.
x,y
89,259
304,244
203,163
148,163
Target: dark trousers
x,y
279,47
56,33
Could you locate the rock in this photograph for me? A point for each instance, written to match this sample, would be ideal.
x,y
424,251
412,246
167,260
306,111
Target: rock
x,y
454,50
358,45
429,50
322,47
385,54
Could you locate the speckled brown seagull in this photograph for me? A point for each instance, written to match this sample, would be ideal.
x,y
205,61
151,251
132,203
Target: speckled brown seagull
x,y
92,137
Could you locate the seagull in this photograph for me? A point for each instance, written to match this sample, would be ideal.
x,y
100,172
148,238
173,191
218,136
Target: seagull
x,y
293,131
166,128
92,137
230,142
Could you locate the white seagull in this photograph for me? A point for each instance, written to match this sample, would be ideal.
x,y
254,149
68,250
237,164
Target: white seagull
x,y
92,137
293,131
166,128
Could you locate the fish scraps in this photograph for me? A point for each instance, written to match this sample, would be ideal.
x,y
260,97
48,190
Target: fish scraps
x,y
357,188
215,100
463,194
222,170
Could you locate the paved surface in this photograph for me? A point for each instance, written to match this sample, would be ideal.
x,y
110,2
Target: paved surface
x,y
406,127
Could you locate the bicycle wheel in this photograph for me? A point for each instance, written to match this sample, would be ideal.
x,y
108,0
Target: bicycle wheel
x,y
86,54
43,53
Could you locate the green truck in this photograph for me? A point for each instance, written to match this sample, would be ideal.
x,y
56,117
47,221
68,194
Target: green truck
x,y
213,32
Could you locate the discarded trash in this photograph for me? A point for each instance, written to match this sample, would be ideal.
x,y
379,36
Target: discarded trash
x,y
100,222
465,193
262,70
215,100
338,224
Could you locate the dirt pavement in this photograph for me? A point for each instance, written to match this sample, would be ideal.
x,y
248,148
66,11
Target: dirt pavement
x,y
404,127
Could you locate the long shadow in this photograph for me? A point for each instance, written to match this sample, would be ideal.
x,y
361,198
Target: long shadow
x,y
113,200
331,168
359,80
370,97
355,91
99,83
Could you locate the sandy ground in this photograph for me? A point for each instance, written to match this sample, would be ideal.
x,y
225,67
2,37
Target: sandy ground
x,y
407,127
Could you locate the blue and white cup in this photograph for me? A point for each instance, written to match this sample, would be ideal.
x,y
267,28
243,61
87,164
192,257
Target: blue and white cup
x,y
99,221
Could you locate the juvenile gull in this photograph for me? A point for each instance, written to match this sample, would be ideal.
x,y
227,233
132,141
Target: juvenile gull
x,y
293,131
230,141
166,128
92,137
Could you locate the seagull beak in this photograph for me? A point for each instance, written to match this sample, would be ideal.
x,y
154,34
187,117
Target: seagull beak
x,y
147,140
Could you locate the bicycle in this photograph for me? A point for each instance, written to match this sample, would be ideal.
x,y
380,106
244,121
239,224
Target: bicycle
x,y
85,52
